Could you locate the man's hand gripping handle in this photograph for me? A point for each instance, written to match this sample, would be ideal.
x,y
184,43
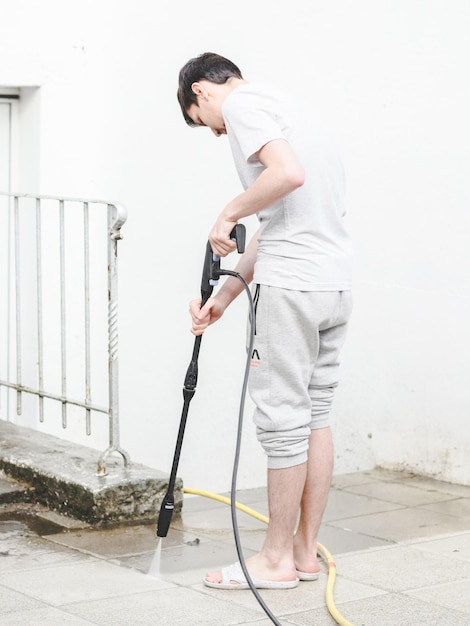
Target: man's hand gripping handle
x,y
211,270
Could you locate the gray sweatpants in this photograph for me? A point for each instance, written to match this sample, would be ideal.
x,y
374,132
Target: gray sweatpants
x,y
294,366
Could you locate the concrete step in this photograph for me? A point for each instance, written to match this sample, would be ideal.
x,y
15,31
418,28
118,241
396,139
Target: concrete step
x,y
62,475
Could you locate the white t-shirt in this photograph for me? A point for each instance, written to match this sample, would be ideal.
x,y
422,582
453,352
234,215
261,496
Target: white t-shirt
x,y
303,244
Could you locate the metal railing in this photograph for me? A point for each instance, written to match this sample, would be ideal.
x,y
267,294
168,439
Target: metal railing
x,y
47,246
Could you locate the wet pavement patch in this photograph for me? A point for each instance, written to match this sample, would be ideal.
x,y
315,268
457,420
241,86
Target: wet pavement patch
x,y
27,523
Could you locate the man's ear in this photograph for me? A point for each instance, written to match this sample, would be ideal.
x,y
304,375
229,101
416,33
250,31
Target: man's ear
x,y
199,90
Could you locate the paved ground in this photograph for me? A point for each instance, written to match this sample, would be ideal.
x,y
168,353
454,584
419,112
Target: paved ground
x,y
401,545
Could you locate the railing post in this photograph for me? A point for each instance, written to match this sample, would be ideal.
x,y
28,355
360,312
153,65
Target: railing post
x,y
19,406
117,215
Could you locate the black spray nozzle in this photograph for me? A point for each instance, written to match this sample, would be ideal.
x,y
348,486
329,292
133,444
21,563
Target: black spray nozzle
x,y
166,513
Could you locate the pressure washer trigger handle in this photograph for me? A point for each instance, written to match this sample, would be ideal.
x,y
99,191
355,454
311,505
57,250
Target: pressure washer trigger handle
x,y
238,235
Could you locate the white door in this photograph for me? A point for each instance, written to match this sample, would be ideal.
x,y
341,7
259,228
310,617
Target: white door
x,y
5,168
8,114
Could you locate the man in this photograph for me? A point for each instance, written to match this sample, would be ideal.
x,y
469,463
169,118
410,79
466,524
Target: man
x,y
300,265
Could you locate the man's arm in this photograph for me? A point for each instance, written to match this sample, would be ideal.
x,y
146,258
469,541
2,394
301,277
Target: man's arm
x,y
283,174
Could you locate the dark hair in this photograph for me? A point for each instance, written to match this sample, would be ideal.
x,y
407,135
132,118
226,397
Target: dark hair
x,y
207,66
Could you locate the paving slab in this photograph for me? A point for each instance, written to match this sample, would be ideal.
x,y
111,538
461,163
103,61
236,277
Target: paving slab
x,y
86,581
403,494
389,610
455,595
176,606
452,547
404,524
47,616
400,568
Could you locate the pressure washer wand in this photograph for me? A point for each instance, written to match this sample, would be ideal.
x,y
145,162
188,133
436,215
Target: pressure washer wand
x,y
210,278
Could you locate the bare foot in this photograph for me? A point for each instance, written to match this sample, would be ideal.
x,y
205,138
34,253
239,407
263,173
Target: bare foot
x,y
259,568
306,560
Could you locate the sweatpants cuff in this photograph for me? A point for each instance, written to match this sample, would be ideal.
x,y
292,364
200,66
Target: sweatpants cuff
x,y
282,462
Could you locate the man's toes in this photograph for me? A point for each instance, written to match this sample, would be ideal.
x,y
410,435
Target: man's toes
x,y
214,577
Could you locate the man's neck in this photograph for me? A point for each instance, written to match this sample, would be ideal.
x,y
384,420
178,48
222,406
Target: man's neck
x,y
231,84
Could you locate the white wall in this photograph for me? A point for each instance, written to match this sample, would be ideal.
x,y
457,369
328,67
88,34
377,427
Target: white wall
x,y
391,78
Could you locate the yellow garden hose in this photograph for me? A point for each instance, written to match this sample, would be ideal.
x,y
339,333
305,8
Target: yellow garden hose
x,y
335,614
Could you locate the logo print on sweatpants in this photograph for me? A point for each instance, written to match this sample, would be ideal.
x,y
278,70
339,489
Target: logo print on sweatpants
x,y
255,358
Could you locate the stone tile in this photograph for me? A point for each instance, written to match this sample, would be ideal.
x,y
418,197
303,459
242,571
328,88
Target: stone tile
x,y
459,507
338,540
381,474
388,610
400,568
110,543
187,564
456,546
315,617
89,581
27,552
341,481
216,523
197,553
425,482
215,519
403,524
250,539
455,595
127,541
176,606
191,577
44,617
253,498
287,621
346,590
342,504
180,536
10,601
400,493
